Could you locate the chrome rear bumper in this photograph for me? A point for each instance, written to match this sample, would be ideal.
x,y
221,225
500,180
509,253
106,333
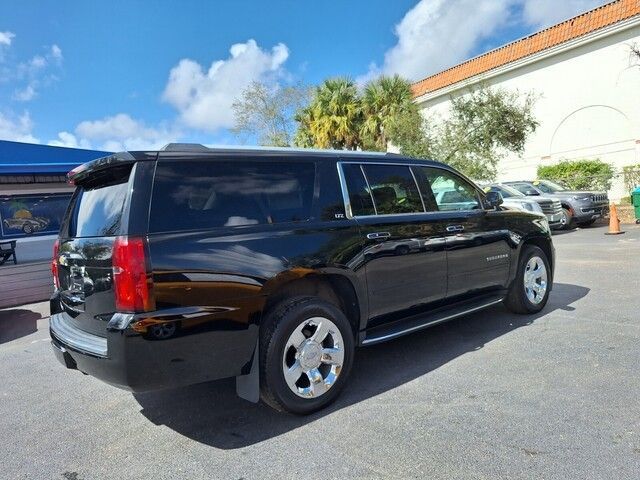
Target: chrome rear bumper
x,y
77,339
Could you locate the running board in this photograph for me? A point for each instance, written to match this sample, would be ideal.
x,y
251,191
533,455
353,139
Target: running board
x,y
418,322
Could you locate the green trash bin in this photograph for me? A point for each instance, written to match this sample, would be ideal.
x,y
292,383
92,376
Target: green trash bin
x,y
635,201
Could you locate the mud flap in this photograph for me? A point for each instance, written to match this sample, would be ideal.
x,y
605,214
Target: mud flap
x,y
248,386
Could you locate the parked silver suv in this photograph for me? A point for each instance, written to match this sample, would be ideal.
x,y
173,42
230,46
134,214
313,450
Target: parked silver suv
x,y
515,199
582,207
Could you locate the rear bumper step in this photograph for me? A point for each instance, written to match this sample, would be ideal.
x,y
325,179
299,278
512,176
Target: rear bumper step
x,y
77,339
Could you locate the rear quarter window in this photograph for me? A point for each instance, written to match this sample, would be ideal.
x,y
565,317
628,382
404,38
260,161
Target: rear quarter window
x,y
189,195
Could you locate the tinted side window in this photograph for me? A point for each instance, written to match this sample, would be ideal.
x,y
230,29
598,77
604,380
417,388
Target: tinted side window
x,y
544,188
394,189
522,187
505,193
359,195
189,195
451,191
500,190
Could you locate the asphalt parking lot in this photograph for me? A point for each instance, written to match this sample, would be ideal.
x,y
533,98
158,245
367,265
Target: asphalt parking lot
x,y
491,395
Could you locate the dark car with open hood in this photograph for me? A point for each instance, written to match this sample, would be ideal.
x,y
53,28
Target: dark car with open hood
x,y
192,264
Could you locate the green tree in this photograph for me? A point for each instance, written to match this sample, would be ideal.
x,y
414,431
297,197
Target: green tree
x,y
333,118
482,127
386,101
268,113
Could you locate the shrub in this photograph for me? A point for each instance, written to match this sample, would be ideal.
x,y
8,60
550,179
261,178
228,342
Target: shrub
x,y
584,174
631,177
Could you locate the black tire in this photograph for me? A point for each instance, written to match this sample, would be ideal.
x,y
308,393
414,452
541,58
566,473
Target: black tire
x,y
567,219
402,250
275,331
588,223
27,228
517,300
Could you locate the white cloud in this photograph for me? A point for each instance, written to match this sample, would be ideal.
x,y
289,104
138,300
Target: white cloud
x,y
6,38
544,13
25,94
37,72
66,139
116,133
17,128
5,42
56,53
437,34
204,98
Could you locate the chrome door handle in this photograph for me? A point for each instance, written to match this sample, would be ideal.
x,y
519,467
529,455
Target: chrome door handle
x,y
455,228
378,235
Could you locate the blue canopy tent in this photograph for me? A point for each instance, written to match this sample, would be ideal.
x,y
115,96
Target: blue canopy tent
x,y
31,159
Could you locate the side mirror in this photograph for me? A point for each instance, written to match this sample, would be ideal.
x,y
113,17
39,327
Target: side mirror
x,y
494,199
531,192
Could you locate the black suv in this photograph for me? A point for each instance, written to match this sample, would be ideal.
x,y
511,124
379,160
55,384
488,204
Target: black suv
x,y
192,264
578,206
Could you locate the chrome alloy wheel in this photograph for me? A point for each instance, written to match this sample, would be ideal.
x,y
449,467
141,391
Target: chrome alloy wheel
x,y
563,219
535,280
313,357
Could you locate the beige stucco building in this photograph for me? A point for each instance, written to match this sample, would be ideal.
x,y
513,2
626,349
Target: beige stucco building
x,y
588,85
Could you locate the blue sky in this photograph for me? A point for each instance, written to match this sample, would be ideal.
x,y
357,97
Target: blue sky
x,y
137,74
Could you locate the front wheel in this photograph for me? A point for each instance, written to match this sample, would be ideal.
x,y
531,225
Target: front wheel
x,y
306,353
529,291
566,219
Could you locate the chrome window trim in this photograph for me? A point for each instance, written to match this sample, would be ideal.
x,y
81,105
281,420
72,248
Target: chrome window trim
x,y
347,202
373,200
345,192
415,180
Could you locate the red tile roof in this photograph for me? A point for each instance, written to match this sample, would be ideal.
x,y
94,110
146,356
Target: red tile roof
x,y
550,37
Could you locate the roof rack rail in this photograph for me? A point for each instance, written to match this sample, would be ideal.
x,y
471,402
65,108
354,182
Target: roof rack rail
x,y
197,147
184,147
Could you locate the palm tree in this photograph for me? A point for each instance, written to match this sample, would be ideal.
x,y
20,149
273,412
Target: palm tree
x,y
333,118
384,100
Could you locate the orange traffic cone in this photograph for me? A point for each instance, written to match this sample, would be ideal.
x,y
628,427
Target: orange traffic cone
x,y
614,222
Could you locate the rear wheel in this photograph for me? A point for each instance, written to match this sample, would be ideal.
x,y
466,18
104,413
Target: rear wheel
x,y
566,220
306,350
530,290
27,228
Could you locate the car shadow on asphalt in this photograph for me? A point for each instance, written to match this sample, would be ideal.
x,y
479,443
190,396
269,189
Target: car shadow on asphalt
x,y
16,323
212,414
595,226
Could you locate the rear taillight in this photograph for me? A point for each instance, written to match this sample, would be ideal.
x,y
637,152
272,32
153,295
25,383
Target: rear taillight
x,y
54,264
132,285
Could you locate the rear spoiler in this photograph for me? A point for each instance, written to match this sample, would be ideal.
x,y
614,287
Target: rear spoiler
x,y
81,172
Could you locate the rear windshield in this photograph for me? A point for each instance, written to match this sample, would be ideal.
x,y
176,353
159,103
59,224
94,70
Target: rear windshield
x,y
201,194
98,204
